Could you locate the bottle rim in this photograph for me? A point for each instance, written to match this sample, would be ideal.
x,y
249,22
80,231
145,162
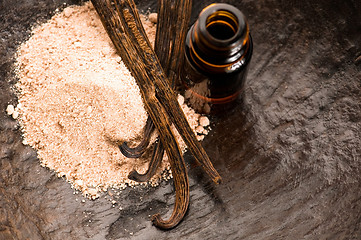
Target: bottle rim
x,y
231,16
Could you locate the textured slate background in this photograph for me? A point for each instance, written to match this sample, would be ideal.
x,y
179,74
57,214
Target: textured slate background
x,y
289,154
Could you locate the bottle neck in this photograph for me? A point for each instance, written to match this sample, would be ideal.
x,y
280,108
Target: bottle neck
x,y
218,39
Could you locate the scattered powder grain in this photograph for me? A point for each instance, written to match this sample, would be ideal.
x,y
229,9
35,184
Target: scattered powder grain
x,y
78,102
153,17
10,109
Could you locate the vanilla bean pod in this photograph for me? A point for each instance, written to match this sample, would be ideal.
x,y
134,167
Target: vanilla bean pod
x,y
156,159
122,26
126,32
169,101
173,21
156,75
138,151
169,47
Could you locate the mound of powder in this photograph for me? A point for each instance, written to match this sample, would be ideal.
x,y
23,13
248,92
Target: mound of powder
x,y
78,102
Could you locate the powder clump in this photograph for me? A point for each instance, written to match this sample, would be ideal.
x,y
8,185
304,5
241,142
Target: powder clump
x,y
78,102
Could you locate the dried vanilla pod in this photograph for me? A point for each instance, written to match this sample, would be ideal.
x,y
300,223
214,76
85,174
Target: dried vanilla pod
x,y
138,151
150,63
124,38
154,163
121,20
173,21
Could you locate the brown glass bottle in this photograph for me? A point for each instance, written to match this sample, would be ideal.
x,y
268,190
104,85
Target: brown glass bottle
x,y
218,50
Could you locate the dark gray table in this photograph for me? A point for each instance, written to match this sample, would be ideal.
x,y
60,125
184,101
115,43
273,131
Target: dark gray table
x,y
289,154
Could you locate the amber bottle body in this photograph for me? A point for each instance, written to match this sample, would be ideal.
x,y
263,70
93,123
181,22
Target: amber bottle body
x,y
218,50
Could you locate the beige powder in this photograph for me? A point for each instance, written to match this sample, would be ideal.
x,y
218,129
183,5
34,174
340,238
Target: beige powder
x,y
78,102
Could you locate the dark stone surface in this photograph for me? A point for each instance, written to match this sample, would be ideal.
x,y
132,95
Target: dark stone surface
x,y
289,154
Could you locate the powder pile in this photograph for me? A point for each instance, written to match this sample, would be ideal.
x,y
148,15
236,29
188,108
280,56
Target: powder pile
x,y
78,102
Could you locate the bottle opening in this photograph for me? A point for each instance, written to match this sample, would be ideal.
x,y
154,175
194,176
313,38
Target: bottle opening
x,y
222,25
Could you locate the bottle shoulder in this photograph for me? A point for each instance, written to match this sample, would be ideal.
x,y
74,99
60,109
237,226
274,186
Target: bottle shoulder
x,y
205,66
